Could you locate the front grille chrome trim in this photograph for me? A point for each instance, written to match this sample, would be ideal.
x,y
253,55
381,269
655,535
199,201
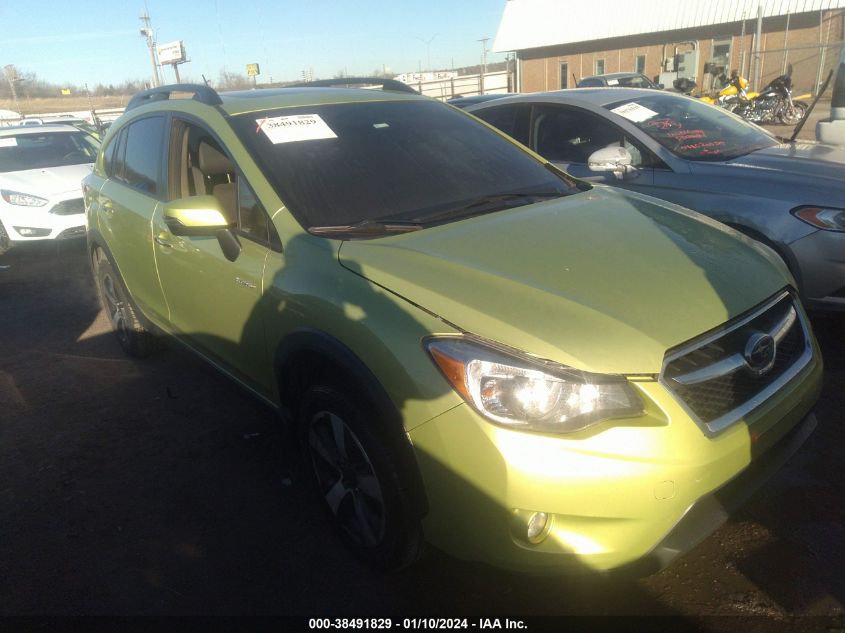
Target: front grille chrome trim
x,y
779,331
737,361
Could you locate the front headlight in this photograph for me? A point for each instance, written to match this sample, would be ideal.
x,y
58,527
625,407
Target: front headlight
x,y
823,218
22,199
530,394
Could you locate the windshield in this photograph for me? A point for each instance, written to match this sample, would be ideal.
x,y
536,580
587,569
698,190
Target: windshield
x,y
404,161
692,129
50,149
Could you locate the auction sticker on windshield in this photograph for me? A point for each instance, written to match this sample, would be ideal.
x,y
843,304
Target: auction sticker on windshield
x,y
290,129
635,112
8,142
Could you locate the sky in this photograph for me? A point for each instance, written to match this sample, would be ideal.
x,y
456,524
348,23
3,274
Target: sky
x,y
98,42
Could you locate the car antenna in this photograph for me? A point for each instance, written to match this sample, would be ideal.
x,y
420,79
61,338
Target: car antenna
x,y
206,81
810,109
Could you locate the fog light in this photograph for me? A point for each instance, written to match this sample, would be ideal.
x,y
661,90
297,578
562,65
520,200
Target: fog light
x,y
28,231
537,527
530,526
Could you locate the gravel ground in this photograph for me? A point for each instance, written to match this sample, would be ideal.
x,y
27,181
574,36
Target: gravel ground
x,y
156,487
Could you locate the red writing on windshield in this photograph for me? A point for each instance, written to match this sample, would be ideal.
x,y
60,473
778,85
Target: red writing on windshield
x,y
686,135
701,146
663,124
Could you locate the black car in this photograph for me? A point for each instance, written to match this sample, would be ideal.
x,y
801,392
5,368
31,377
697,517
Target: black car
x,y
463,102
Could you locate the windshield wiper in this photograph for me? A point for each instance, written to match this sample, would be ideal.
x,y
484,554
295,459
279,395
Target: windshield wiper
x,y
488,204
367,227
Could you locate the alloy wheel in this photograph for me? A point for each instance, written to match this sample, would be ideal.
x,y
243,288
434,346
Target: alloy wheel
x,y
347,479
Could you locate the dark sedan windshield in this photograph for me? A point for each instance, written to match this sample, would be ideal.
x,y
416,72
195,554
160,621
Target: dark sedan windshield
x,y
692,129
391,162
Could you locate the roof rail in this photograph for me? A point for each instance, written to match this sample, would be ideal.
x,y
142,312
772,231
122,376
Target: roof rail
x,y
391,85
203,94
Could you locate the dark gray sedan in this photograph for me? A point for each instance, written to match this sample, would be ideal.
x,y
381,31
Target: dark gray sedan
x,y
790,196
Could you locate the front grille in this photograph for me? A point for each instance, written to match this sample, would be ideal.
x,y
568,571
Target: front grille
x,y
69,207
725,375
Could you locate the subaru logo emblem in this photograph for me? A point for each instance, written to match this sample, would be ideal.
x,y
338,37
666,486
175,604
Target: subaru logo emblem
x,y
760,352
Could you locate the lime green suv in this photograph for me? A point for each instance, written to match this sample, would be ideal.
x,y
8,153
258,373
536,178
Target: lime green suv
x,y
476,349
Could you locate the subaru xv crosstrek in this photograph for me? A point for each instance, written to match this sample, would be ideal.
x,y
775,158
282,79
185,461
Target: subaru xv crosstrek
x,y
476,349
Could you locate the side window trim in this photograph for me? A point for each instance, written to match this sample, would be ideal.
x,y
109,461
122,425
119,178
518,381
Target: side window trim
x,y
119,152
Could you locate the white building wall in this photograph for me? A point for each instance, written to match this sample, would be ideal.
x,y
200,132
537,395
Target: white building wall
x,y
536,23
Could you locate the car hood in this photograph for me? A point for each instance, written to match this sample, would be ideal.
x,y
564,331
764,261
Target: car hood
x,y
605,281
802,160
48,181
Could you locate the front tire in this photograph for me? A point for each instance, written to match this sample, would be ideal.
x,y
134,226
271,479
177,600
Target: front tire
x,y
359,477
791,116
5,242
133,337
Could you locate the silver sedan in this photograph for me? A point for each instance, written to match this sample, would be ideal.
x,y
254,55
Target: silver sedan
x,y
790,196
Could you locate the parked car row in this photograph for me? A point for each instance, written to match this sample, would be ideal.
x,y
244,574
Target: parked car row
x,y
476,348
789,196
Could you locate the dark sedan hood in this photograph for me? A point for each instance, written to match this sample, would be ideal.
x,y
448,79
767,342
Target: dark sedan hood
x,y
805,159
800,173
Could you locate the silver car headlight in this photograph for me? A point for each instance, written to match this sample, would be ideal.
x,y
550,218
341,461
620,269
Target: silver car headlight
x,y
22,199
825,218
528,394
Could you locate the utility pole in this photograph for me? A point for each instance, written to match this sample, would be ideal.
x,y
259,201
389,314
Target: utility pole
x,y
12,76
483,41
757,43
149,34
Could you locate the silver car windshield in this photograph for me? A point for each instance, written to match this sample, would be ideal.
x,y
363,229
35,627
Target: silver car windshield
x,y
50,149
691,129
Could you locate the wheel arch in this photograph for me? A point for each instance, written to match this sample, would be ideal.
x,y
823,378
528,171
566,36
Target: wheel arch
x,y
95,240
309,356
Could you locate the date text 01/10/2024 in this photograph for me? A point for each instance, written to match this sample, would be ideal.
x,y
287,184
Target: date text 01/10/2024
x,y
414,623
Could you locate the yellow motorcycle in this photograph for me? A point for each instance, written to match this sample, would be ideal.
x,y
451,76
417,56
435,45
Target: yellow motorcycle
x,y
772,104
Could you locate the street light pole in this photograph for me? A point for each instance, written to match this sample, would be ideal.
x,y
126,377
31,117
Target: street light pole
x,y
428,48
483,41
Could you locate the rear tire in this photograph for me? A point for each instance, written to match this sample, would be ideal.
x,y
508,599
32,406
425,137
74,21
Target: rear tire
x,y
133,337
358,475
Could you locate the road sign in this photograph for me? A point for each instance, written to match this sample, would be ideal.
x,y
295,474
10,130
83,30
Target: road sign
x,y
252,70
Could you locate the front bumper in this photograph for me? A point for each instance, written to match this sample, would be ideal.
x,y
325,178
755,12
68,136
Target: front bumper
x,y
43,225
821,257
636,493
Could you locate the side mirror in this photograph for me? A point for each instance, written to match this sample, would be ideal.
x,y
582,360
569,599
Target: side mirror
x,y
661,86
202,216
613,159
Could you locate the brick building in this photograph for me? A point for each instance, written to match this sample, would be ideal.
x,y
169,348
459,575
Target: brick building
x,y
557,42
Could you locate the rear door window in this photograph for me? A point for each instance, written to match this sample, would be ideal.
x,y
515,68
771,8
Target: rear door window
x,y
513,120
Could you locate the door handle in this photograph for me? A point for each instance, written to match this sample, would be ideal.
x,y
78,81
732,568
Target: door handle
x,y
162,242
